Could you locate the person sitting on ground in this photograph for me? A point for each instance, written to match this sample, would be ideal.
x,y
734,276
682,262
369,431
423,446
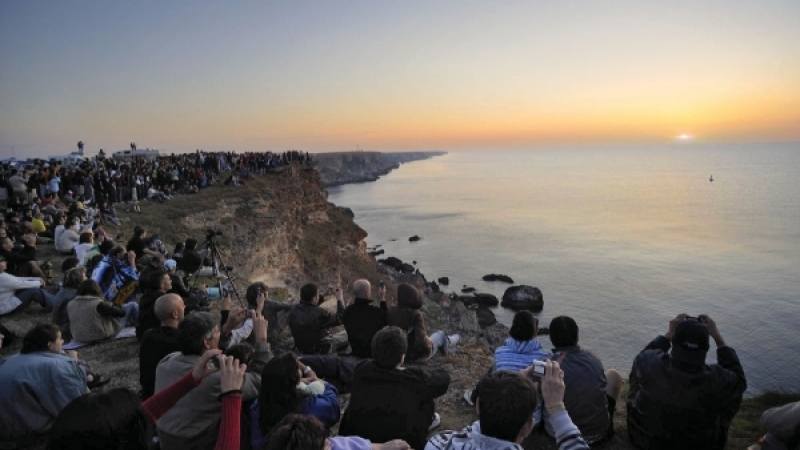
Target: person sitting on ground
x,y
66,240
519,352
115,272
116,419
783,428
39,227
157,283
592,393
17,293
92,318
36,385
193,423
310,323
72,281
299,432
391,401
256,296
284,390
408,317
194,260
505,407
85,243
22,262
96,254
137,243
676,400
362,320
160,342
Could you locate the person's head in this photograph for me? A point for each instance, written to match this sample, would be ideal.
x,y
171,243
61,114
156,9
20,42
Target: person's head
x,y
139,232
3,232
159,280
3,264
112,419
87,237
178,247
74,277
117,252
191,244
690,343
389,346
524,327
564,332
198,332
6,244
253,291
106,246
169,309
408,296
297,432
89,287
361,288
44,337
241,351
170,265
69,263
279,394
61,220
506,402
308,293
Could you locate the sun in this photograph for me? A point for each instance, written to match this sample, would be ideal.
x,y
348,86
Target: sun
x,y
685,137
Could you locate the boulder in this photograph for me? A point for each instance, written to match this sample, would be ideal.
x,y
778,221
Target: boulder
x,y
523,297
414,238
495,334
486,317
406,268
486,299
468,289
464,320
444,281
498,277
392,262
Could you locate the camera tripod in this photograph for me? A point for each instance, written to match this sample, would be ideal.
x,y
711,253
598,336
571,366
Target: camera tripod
x,y
217,265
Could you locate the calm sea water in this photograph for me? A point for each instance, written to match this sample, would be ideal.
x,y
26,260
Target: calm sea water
x,y
621,239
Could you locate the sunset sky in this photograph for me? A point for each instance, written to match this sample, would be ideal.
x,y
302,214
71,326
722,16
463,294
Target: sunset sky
x,y
394,75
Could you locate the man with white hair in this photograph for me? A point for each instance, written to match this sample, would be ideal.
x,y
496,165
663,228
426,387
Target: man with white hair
x,y
159,342
362,319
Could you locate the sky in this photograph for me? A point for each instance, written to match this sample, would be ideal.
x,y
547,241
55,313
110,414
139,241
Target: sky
x,y
394,75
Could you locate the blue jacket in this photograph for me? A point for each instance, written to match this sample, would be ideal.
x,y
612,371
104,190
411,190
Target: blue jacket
x,y
324,407
112,274
35,388
517,355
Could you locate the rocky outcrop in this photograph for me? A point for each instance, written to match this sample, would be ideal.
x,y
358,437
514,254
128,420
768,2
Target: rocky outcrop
x,y
359,167
486,299
523,297
498,277
414,238
444,281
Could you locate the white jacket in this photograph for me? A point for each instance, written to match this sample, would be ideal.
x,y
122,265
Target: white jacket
x,y
66,241
9,284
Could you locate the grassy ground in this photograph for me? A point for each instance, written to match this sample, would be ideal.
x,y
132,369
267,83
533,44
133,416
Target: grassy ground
x,y
319,248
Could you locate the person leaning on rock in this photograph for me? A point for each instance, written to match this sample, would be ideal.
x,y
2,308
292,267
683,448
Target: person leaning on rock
x,y
676,400
310,323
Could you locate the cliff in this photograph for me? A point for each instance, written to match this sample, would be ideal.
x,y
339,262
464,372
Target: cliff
x,y
358,167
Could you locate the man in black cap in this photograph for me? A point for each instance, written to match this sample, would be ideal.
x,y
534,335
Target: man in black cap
x,y
676,400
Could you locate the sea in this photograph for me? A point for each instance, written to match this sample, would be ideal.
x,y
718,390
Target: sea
x,y
621,238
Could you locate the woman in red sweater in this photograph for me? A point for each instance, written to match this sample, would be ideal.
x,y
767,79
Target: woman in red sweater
x,y
116,419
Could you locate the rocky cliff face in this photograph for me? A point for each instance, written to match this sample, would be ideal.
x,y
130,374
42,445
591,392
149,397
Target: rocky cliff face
x,y
358,167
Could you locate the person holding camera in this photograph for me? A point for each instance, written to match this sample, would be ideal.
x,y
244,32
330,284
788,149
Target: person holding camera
x,y
310,323
676,400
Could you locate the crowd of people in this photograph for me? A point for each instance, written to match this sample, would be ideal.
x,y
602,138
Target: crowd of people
x,y
209,379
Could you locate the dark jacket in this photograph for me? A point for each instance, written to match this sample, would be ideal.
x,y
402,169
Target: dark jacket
x,y
362,320
389,404
147,313
410,320
16,258
156,344
674,406
585,396
309,324
191,261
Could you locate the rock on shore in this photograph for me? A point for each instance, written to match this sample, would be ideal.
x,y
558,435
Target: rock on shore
x,y
523,297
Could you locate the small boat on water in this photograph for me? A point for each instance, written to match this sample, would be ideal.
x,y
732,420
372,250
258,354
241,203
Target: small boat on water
x,y
711,179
